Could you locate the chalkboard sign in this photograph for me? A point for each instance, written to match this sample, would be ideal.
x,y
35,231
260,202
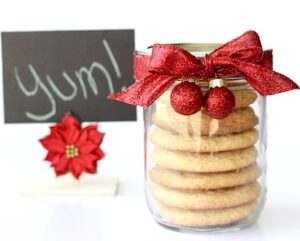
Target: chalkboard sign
x,y
46,74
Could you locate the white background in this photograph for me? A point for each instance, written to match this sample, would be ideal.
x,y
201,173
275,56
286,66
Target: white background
x,y
126,216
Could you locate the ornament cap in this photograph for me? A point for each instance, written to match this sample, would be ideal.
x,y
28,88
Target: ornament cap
x,y
217,83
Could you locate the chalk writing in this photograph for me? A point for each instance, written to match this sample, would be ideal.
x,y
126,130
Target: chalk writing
x,y
82,74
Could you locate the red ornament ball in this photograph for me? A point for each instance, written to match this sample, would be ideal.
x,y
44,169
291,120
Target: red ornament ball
x,y
186,98
219,102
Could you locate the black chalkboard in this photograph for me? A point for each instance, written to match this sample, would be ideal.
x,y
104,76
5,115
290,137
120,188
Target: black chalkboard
x,y
46,74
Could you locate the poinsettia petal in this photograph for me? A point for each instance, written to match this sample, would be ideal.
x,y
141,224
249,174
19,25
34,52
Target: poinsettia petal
x,y
60,172
54,129
53,144
45,138
99,153
71,134
91,168
50,156
89,157
61,166
82,138
89,162
93,134
96,136
57,130
86,147
75,167
56,157
69,120
91,127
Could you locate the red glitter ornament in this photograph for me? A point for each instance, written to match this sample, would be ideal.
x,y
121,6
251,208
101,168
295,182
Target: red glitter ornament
x,y
219,102
186,98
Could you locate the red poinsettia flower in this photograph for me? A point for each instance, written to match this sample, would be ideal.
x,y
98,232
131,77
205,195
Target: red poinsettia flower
x,y
73,149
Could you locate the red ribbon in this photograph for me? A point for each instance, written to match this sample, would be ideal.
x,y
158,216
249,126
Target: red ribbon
x,y
241,56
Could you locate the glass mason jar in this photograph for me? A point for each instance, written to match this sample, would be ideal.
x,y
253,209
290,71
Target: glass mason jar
x,y
204,174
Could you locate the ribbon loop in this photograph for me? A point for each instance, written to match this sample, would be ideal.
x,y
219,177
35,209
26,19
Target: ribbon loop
x,y
246,47
172,61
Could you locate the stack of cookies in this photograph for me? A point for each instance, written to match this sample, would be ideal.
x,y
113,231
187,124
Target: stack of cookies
x,y
205,171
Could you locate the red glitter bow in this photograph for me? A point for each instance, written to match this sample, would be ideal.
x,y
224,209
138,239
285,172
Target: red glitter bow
x,y
243,55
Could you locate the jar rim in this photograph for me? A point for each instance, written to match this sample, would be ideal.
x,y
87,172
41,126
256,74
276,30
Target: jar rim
x,y
197,49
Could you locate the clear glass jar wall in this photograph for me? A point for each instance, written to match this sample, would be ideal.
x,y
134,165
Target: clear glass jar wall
x,y
203,174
